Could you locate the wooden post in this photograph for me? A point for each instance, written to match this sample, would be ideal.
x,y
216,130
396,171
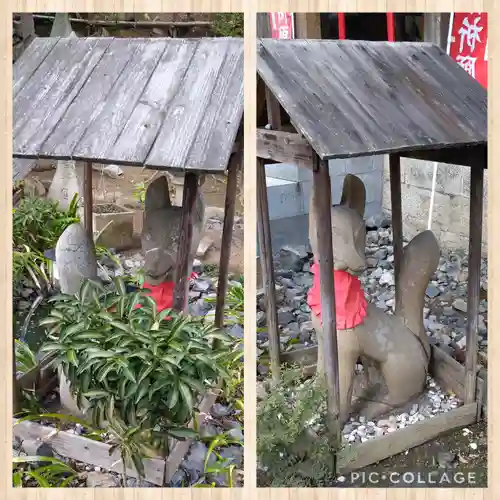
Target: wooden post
x,y
25,29
87,200
436,29
266,258
397,217
185,238
273,110
263,24
474,279
308,25
323,207
227,235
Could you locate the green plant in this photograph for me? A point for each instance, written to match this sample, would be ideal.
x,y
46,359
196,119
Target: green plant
x,y
228,24
134,445
54,473
26,261
139,192
120,354
293,448
38,223
234,315
221,465
26,361
25,357
211,270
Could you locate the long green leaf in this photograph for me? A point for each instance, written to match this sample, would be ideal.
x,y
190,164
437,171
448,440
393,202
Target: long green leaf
x,y
182,433
72,329
173,397
42,482
186,394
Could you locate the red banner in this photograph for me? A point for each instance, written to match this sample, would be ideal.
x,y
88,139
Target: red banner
x,y
281,25
468,43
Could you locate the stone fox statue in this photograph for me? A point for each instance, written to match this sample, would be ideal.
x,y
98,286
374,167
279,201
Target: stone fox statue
x,y
161,231
396,347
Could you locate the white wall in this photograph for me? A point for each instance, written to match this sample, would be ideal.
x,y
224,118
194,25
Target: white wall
x,y
450,221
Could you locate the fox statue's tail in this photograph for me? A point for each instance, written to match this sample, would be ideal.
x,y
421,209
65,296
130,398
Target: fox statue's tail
x,y
420,261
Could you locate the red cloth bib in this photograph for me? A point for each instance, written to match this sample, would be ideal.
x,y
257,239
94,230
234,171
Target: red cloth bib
x,y
163,294
350,301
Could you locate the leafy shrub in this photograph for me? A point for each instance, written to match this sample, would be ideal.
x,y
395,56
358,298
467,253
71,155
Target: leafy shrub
x,y
228,24
25,357
139,192
293,448
44,472
234,315
149,367
38,223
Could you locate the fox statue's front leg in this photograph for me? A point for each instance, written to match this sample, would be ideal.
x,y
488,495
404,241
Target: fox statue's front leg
x,y
347,356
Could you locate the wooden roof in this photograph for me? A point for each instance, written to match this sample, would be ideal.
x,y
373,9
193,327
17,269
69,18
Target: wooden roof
x,y
355,98
157,102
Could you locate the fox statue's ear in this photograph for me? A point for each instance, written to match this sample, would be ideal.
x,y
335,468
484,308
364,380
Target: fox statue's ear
x,y
354,194
157,194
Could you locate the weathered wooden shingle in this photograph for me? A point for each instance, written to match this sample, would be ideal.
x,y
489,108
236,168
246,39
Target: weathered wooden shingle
x,y
161,103
354,98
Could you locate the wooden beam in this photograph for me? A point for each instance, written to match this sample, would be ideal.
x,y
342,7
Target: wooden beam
x,y
88,202
473,280
302,357
323,206
308,25
132,24
284,147
361,455
266,258
227,236
469,156
397,217
86,450
185,239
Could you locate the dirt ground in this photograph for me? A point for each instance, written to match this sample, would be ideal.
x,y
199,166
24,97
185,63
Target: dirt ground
x,y
123,192
464,450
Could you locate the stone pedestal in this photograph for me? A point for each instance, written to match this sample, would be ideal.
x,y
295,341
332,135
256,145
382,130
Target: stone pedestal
x,y
75,259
